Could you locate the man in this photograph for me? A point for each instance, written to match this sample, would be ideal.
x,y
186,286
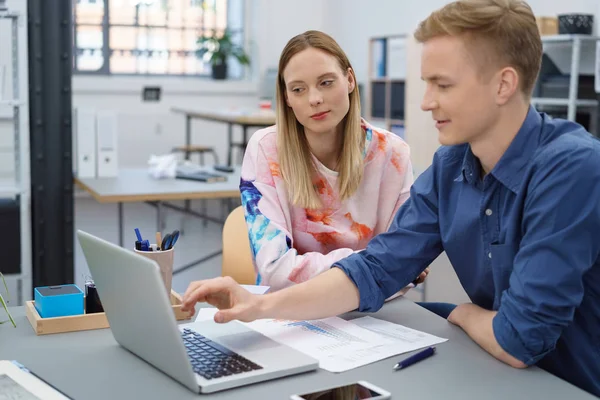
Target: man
x,y
513,197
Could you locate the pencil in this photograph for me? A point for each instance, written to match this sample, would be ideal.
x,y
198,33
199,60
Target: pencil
x,y
158,241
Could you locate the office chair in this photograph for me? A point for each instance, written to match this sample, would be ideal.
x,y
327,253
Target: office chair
x,y
237,257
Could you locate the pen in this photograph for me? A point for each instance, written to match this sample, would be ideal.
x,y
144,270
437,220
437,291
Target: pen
x,y
415,358
138,234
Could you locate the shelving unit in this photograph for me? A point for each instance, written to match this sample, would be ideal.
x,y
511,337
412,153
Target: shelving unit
x,y
578,44
18,188
386,87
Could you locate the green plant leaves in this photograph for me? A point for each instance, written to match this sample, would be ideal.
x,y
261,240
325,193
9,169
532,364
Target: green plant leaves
x,y
215,49
4,302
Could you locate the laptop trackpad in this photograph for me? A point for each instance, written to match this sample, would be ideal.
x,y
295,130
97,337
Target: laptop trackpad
x,y
247,341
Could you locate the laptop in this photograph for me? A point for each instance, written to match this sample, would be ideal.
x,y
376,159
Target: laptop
x,y
203,356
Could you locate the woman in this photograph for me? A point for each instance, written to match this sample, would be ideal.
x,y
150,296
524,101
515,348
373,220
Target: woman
x,y
322,182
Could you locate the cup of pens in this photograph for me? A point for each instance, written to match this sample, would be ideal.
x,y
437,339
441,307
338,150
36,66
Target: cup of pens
x,y
162,252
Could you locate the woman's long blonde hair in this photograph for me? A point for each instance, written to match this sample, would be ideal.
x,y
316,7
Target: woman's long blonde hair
x,y
297,167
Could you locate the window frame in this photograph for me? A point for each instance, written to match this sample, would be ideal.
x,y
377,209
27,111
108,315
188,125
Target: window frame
x,y
104,70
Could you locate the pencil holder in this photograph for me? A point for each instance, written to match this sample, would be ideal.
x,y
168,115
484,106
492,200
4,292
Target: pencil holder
x,y
164,260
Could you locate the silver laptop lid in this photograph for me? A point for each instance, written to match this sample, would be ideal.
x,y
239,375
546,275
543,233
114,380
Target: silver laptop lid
x,y
143,323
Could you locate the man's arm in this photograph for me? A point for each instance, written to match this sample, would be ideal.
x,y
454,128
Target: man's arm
x,y
477,323
327,294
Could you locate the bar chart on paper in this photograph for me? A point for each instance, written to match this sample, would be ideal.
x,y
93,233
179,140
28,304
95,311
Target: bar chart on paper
x,y
339,338
341,345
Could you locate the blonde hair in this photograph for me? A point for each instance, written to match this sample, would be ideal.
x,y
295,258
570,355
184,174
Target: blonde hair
x,y
296,164
503,32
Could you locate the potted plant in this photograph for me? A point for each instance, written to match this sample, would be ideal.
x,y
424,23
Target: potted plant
x,y
216,49
4,303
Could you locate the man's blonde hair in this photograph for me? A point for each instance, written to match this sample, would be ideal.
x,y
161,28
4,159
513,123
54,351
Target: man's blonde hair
x,y
295,159
497,32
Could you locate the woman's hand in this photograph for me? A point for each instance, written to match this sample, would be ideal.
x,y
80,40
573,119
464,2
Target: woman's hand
x,y
422,277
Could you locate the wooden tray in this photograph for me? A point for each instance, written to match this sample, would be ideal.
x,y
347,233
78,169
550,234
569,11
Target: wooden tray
x,y
84,322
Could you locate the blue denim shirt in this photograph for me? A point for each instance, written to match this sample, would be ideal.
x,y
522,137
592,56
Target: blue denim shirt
x,y
524,241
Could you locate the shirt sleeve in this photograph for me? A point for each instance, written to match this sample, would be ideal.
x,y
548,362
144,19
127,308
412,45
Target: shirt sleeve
x,y
561,218
276,261
394,259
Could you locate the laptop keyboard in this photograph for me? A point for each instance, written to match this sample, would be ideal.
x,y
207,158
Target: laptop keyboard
x,y
211,360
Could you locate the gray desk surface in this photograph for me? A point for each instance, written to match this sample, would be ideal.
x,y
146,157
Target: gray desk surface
x,y
253,117
135,184
90,365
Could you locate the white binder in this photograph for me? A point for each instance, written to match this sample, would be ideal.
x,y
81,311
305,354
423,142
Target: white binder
x,y
84,127
106,144
396,58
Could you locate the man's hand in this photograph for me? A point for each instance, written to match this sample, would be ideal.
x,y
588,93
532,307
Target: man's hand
x,y
232,300
477,323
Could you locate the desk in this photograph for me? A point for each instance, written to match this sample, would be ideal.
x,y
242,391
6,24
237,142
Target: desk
x,y
245,119
136,185
459,370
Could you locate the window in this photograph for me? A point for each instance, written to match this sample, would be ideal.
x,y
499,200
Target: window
x,y
152,37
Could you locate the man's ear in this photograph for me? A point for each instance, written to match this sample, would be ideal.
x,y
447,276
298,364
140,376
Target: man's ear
x,y
508,85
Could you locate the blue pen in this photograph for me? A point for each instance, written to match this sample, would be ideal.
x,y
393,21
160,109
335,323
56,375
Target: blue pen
x,y
144,244
428,352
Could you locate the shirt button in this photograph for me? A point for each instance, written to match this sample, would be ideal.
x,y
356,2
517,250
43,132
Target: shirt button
x,y
490,255
488,212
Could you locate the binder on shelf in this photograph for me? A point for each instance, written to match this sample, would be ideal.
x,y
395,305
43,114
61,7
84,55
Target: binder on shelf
x,y
379,58
396,58
84,126
106,144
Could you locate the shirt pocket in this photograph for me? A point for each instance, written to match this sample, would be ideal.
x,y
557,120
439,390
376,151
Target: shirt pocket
x,y
503,257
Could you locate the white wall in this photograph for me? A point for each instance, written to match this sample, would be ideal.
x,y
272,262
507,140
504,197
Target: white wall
x,y
277,21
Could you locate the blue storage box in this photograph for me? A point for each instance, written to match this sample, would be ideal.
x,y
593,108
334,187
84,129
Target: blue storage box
x,y
58,301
